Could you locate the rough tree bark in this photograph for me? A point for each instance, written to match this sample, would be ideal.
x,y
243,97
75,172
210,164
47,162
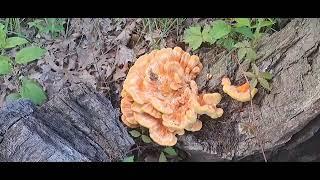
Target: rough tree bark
x,y
284,118
80,125
76,125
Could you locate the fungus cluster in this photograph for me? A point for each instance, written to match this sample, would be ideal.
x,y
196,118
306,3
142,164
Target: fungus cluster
x,y
240,93
160,93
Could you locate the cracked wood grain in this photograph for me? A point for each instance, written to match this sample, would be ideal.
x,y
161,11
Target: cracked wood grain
x,y
76,125
292,56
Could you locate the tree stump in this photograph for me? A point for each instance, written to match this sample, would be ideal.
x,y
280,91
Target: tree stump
x,y
283,118
76,125
81,125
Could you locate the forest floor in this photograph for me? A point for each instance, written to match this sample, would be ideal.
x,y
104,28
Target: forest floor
x,y
98,52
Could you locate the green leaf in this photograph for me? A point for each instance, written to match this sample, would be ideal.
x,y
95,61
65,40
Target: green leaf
x,y
253,83
29,54
241,22
255,69
36,23
242,53
263,23
249,75
264,83
162,158
220,29
170,151
30,89
266,23
266,75
206,36
246,31
246,61
193,37
128,159
15,41
54,25
146,139
135,133
3,37
257,36
5,65
13,97
228,43
251,54
239,45
220,41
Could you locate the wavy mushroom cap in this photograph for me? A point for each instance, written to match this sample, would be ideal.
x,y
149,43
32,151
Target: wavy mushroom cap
x,y
207,104
195,127
240,93
161,135
160,93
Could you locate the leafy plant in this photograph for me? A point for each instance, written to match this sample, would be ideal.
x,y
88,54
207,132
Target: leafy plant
x,y
225,33
194,37
170,151
5,65
7,43
162,157
53,26
218,30
29,88
135,133
144,138
24,56
241,34
29,54
12,25
14,41
32,90
257,76
13,97
166,153
245,51
128,159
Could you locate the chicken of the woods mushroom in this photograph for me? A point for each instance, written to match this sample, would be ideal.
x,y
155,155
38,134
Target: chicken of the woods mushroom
x,y
160,93
240,93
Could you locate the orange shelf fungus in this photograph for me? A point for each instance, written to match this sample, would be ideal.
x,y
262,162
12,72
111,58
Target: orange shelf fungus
x,y
160,93
239,93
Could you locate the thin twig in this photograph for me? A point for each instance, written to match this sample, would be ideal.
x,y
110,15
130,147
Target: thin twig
x,y
67,29
251,104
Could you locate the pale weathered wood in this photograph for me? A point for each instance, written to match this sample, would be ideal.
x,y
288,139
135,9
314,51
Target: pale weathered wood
x,y
80,125
76,125
292,56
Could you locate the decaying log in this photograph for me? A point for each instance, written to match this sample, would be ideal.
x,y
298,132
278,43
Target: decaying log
x,y
81,125
76,125
282,116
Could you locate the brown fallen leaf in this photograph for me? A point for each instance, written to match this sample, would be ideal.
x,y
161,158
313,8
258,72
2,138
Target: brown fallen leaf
x,y
153,37
124,55
120,73
9,84
85,57
124,37
171,42
105,67
87,78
